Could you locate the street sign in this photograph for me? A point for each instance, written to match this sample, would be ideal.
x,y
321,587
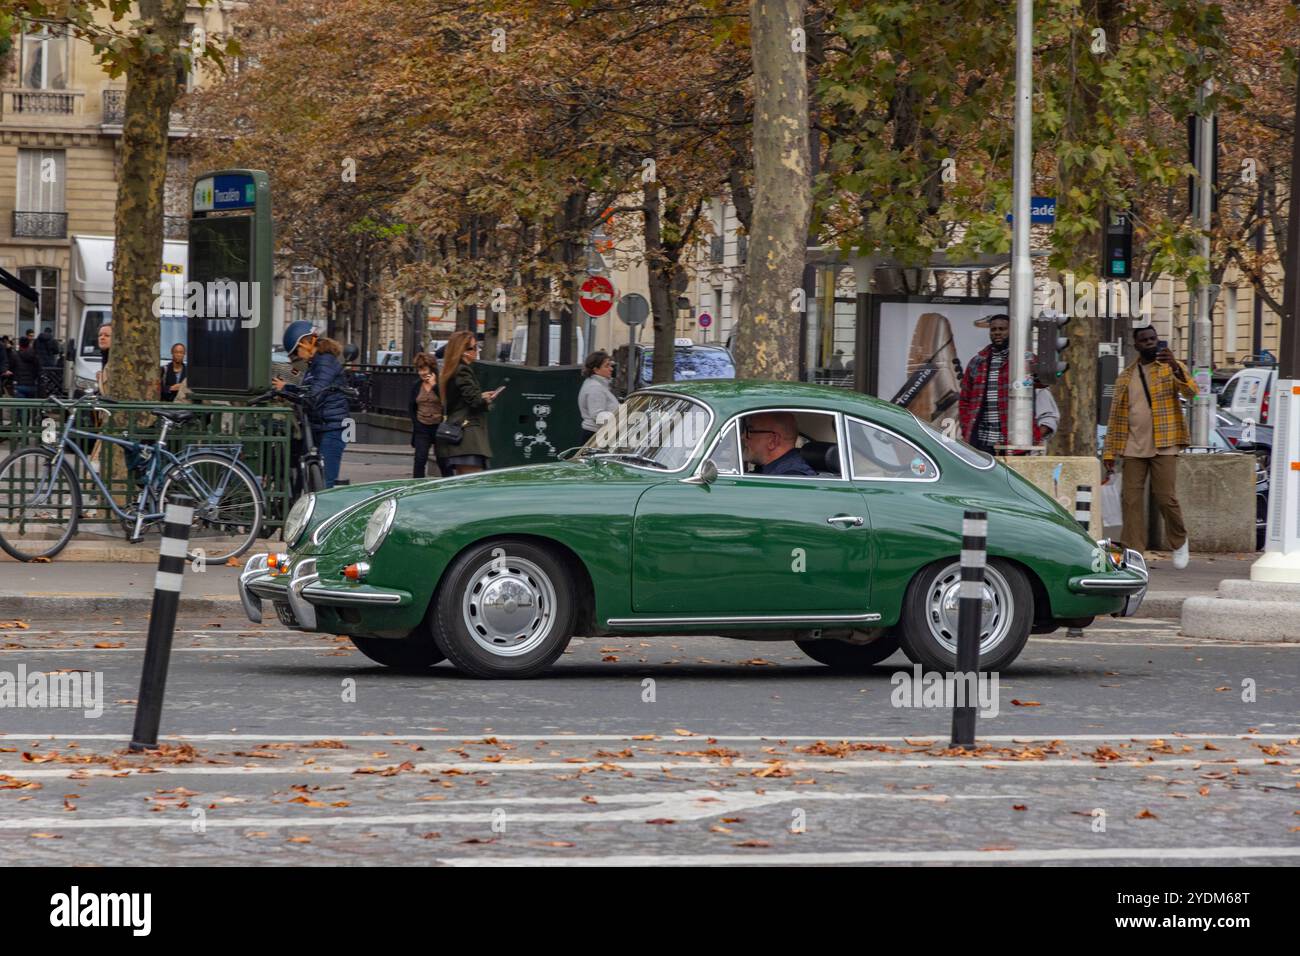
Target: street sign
x,y
633,309
1042,211
596,296
705,320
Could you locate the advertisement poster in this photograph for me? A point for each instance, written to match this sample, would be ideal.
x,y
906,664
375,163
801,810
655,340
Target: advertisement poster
x,y
924,347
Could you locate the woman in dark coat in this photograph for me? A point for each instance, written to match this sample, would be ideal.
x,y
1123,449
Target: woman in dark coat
x,y
322,387
426,413
465,404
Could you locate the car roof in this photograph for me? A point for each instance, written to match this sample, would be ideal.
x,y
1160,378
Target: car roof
x,y
732,396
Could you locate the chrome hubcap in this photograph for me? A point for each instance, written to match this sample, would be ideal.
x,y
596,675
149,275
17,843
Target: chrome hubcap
x,y
942,609
509,607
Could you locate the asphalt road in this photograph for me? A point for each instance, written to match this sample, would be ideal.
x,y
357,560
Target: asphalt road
x,y
1123,748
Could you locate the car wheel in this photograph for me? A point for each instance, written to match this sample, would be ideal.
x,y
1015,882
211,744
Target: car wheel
x,y
417,652
504,609
928,629
843,657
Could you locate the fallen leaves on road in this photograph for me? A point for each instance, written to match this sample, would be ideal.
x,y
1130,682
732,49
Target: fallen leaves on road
x,y
47,836
394,771
677,730
13,625
13,783
1026,703
1019,806
661,821
1146,815
298,839
753,843
106,645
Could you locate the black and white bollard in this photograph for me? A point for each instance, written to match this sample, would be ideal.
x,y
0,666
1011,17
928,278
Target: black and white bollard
x,y
162,621
970,618
1083,506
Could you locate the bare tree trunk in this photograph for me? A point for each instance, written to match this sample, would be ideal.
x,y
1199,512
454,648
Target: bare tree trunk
x,y
768,328
659,278
1077,388
138,219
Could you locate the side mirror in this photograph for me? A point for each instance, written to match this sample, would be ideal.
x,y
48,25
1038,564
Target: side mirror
x,y
707,474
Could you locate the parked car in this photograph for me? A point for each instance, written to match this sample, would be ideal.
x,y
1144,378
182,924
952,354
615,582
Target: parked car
x,y
656,527
690,362
1248,394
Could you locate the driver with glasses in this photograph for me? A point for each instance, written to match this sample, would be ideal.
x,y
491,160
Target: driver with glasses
x,y
769,442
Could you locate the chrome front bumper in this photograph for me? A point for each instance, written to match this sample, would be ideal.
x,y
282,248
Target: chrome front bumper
x,y
1134,589
298,593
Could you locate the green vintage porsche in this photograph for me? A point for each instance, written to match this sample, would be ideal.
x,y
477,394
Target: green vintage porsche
x,y
659,526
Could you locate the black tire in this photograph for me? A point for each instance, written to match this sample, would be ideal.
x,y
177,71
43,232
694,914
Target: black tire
x,y
847,658
17,474
504,642
414,653
243,526
921,626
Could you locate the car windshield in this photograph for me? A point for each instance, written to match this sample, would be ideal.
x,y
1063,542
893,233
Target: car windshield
x,y
652,430
694,363
956,446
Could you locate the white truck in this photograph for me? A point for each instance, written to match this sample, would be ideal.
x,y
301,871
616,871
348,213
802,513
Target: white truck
x,y
90,300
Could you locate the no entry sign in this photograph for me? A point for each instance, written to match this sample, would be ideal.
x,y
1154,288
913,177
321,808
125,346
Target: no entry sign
x,y
596,296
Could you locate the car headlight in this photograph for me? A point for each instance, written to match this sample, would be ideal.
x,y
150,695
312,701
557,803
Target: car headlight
x,y
378,525
299,517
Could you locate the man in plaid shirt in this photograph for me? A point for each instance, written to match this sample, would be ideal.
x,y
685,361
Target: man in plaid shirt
x,y
1147,431
983,409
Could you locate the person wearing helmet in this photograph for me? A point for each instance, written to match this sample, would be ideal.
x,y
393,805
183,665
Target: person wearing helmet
x,y
322,388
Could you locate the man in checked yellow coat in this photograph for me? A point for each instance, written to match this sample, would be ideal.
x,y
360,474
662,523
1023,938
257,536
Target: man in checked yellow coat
x,y
1147,431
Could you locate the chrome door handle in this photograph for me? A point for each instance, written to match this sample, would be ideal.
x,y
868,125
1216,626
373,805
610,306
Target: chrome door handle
x,y
850,520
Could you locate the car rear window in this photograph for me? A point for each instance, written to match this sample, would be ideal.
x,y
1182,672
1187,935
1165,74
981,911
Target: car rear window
x,y
694,363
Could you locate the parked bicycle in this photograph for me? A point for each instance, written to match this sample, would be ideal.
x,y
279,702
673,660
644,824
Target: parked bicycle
x,y
41,499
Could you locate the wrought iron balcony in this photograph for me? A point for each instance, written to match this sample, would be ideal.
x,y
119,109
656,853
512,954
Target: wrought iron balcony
x,y
114,111
40,225
114,107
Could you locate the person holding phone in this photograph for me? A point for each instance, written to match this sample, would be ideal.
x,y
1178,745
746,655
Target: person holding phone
x,y
1146,432
465,406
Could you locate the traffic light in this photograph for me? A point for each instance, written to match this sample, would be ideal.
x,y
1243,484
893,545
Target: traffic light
x,y
1049,359
1117,246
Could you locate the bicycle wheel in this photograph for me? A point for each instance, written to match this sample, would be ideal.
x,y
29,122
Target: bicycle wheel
x,y
39,504
229,510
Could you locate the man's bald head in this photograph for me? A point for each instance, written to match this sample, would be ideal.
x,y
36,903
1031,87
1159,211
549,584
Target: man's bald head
x,y
769,435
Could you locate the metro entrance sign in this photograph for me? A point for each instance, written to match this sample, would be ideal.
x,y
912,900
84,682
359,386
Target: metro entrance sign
x,y
596,296
228,302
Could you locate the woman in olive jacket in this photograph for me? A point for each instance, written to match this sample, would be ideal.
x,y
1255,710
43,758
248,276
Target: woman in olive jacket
x,y
465,404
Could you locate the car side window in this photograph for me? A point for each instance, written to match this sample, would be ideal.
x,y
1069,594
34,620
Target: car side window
x,y
878,454
1229,390
726,453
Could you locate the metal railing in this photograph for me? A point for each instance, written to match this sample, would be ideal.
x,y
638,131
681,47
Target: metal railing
x,y
114,107
40,225
264,432
113,110
386,389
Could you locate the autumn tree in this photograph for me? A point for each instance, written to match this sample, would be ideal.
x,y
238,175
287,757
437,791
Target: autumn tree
x,y
150,48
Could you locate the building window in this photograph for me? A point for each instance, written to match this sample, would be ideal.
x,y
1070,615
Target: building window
x,y
45,315
39,212
44,64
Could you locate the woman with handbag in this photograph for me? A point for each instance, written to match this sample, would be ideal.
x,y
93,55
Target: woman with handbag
x,y
426,413
463,442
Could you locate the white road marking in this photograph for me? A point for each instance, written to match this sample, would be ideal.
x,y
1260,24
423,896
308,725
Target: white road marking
x,y
1173,642
1067,854
826,765
624,808
560,735
175,650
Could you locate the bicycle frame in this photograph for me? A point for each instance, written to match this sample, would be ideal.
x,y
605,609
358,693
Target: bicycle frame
x,y
161,456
